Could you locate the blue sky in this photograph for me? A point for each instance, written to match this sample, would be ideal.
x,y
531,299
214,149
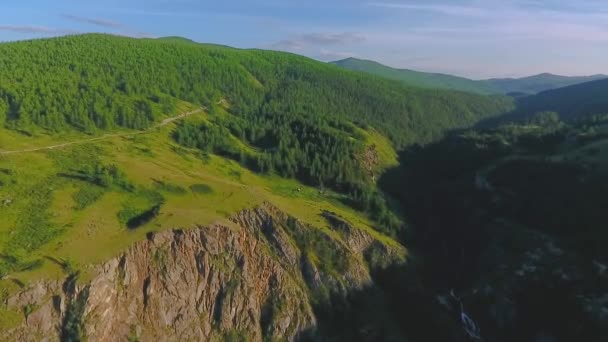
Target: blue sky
x,y
474,38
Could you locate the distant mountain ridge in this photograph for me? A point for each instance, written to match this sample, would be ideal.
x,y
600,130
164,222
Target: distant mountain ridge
x,y
520,86
417,78
539,83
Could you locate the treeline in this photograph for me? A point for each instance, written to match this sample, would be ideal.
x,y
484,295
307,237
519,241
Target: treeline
x,y
325,154
316,154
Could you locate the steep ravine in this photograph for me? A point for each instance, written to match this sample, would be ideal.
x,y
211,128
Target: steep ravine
x,y
258,278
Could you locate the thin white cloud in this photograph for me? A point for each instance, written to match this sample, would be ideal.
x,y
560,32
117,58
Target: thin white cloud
x,y
120,28
458,10
332,38
493,9
330,55
154,13
315,40
36,29
94,21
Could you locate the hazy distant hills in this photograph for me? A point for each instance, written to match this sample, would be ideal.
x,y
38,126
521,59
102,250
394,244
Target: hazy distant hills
x,y
526,85
538,83
417,78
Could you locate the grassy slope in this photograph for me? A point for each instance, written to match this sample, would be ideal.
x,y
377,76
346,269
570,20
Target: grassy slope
x,y
40,221
416,78
95,234
40,218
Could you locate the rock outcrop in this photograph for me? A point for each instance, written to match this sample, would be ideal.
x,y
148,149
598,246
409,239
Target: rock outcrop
x,y
256,278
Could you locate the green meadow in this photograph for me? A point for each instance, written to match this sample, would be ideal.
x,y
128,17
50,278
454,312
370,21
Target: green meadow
x,y
67,208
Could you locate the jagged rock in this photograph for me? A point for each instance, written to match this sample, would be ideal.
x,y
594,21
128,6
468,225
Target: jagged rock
x,y
201,284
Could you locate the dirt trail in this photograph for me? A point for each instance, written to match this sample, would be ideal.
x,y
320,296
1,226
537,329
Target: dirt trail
x,y
105,136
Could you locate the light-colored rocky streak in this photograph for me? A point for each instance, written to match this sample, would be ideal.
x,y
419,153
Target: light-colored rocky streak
x,y
207,283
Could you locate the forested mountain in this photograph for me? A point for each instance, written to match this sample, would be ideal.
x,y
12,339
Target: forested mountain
x,y
417,78
538,83
299,116
93,82
87,171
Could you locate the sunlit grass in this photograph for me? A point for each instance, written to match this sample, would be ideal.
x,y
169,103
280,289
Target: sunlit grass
x,y
196,191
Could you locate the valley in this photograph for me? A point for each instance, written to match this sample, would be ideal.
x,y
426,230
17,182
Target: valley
x,y
166,189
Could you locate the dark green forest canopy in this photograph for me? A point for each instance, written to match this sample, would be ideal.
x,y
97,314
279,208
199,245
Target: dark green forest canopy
x,y
92,82
571,103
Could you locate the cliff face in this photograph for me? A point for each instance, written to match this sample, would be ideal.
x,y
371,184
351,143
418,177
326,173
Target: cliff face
x,y
258,279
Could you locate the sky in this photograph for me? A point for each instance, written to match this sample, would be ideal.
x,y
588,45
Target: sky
x,y
471,38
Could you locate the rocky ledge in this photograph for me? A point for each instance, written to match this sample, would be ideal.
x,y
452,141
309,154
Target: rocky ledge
x,y
257,278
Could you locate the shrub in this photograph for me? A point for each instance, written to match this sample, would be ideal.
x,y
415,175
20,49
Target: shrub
x,y
87,196
201,189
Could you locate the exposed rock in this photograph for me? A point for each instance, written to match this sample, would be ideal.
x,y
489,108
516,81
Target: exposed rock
x,y
370,159
46,302
205,283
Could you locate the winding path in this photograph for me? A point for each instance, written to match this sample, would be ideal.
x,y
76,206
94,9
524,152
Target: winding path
x,y
105,136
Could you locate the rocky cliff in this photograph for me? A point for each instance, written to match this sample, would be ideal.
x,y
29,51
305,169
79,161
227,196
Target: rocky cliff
x,y
258,278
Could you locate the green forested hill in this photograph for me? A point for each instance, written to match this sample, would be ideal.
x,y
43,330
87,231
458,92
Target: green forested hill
x,y
96,81
272,112
417,78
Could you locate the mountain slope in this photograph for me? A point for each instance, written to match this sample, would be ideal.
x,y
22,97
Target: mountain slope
x,y
272,112
144,78
215,282
417,78
114,140
100,216
538,83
